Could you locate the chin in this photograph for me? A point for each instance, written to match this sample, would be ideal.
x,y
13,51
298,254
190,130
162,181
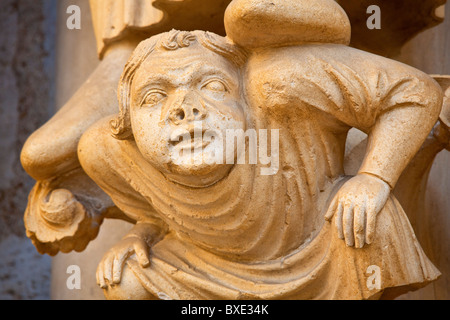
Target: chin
x,y
197,175
192,170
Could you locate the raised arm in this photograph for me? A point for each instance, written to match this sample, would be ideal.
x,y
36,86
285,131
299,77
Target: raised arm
x,y
398,134
404,114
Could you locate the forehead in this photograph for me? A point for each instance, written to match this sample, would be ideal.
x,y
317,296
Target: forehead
x,y
184,62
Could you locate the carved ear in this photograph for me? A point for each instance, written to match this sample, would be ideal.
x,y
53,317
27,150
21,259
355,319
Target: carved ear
x,y
262,23
444,82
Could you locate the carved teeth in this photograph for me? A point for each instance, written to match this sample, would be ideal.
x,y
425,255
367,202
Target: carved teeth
x,y
178,138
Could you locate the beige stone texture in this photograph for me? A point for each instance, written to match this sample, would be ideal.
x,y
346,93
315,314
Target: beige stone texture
x,y
199,230
421,190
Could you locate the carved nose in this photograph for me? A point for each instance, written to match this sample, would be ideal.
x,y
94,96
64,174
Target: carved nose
x,y
185,113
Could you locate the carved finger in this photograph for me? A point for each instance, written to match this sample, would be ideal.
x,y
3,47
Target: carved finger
x,y
142,254
348,226
118,264
97,277
107,268
338,220
331,209
371,226
359,226
100,278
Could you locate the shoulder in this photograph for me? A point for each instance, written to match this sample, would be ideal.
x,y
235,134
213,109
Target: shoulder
x,y
331,67
97,146
312,58
96,137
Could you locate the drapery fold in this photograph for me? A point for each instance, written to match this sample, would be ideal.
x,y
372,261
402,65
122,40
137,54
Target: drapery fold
x,y
112,18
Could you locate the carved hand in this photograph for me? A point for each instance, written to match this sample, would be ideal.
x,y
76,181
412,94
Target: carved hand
x,y
356,206
109,271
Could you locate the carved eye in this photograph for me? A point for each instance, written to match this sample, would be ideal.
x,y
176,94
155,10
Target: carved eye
x,y
215,86
154,97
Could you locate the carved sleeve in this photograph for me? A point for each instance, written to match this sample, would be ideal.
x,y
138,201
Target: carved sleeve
x,y
395,104
364,95
352,86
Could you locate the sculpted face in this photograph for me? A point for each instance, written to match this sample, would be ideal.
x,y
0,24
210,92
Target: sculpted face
x,y
182,103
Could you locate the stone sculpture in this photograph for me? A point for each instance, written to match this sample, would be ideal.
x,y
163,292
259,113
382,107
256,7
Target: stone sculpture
x,y
226,231
64,197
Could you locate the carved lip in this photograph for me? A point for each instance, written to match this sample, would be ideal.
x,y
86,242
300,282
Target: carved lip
x,y
196,141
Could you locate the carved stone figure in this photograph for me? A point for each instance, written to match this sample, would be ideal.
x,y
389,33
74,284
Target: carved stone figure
x,y
225,231
64,198
413,192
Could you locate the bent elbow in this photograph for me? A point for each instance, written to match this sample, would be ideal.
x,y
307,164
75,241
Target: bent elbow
x,y
434,99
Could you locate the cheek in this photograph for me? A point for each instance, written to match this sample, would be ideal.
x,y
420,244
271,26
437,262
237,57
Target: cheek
x,y
228,110
231,117
148,133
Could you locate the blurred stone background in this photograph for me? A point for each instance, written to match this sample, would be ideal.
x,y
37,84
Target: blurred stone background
x,y
27,87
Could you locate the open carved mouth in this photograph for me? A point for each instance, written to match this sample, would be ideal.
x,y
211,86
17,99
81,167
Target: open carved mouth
x,y
189,139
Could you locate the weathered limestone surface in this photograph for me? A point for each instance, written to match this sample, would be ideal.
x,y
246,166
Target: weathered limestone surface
x,y
427,95
438,175
427,204
27,56
77,58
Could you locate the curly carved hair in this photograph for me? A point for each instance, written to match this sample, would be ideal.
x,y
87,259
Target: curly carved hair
x,y
173,40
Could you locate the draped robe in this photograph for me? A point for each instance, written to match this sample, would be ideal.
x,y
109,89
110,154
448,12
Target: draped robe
x,y
252,236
